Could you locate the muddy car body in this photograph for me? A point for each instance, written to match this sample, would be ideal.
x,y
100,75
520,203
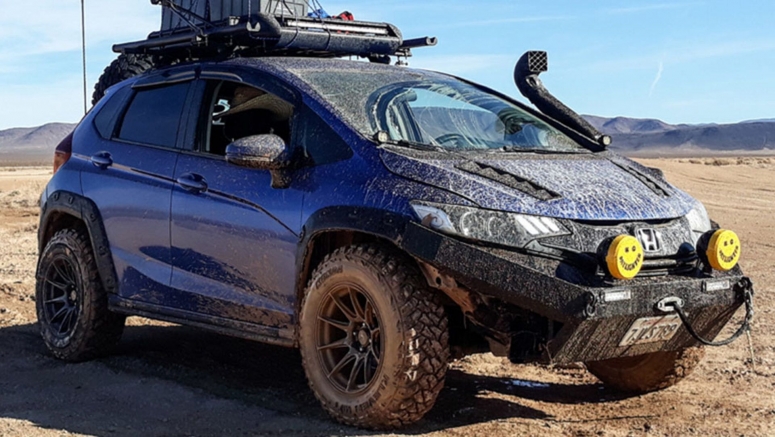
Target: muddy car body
x,y
382,219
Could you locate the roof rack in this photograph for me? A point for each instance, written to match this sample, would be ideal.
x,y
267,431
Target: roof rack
x,y
258,33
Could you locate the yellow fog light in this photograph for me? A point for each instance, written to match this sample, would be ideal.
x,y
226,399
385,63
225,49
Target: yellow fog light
x,y
624,257
723,250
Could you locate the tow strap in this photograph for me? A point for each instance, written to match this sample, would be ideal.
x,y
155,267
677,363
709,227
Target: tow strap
x,y
677,306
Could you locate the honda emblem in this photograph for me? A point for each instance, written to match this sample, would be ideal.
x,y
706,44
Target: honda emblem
x,y
649,239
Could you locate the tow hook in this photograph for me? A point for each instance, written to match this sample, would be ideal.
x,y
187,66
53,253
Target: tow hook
x,y
590,307
668,304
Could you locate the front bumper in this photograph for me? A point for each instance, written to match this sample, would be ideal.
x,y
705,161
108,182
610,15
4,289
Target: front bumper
x,y
594,312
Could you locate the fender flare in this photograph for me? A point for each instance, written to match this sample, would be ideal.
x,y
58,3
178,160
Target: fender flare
x,y
378,222
84,210
385,225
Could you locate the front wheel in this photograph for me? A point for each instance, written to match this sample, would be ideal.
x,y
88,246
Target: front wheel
x,y
373,338
649,372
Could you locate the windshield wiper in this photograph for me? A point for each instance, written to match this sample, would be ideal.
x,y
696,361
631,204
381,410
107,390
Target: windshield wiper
x,y
415,145
540,151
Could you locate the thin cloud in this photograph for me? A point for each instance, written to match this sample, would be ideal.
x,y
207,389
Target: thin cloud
x,y
731,48
687,53
57,28
60,100
646,8
478,23
656,79
690,103
461,64
519,20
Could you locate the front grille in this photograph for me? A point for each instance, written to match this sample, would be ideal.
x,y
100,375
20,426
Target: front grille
x,y
669,265
675,256
659,266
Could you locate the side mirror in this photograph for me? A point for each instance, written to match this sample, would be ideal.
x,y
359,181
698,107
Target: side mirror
x,y
262,152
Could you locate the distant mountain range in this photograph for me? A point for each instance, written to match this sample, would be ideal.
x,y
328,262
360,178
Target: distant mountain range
x,y
638,136
31,145
763,120
632,136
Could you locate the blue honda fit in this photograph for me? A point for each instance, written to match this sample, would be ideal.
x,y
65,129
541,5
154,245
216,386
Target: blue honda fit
x,y
382,219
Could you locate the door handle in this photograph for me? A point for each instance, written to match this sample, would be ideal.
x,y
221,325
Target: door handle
x,y
102,160
192,182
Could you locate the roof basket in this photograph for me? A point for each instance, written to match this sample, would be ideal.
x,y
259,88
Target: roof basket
x,y
201,28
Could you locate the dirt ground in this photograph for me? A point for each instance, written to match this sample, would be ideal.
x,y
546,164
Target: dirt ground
x,y
167,380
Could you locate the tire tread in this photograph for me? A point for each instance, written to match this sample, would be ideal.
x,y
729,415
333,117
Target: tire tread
x,y
425,326
658,370
125,66
103,328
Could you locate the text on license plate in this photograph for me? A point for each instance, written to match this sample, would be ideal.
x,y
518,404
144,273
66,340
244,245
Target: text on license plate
x,y
651,329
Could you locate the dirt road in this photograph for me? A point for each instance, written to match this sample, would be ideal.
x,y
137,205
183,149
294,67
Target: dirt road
x,y
168,380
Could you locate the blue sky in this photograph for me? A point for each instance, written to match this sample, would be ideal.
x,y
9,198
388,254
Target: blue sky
x,y
679,61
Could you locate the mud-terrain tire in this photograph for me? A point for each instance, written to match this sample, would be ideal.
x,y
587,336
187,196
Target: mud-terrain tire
x,y
71,303
403,331
122,68
647,373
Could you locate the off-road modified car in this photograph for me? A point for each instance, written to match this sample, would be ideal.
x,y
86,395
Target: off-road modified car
x,y
246,179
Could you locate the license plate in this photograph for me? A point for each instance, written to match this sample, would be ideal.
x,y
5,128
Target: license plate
x,y
651,330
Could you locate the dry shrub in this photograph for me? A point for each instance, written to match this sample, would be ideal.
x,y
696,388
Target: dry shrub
x,y
26,196
719,161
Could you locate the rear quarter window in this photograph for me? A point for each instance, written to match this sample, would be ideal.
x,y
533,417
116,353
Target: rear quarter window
x,y
153,116
105,120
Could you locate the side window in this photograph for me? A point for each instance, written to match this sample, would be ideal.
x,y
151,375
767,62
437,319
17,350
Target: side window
x,y
105,120
237,110
153,116
319,142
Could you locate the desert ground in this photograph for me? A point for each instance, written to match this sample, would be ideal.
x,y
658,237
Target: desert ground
x,y
168,380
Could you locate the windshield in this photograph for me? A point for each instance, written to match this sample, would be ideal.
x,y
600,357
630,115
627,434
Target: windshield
x,y
432,109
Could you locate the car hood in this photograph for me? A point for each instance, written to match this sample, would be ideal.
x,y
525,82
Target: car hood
x,y
596,187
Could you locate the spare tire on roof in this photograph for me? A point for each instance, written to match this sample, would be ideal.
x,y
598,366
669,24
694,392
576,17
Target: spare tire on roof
x,y
122,68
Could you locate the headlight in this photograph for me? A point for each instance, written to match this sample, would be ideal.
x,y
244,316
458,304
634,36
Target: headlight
x,y
508,229
699,221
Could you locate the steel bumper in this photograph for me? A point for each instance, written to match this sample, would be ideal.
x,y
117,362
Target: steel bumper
x,y
595,312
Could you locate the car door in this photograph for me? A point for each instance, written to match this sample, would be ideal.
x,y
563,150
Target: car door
x,y
233,236
131,181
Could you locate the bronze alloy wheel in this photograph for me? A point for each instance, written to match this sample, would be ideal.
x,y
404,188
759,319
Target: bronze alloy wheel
x,y
373,337
348,338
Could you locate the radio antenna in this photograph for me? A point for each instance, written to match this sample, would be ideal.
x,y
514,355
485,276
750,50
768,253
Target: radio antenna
x,y
83,54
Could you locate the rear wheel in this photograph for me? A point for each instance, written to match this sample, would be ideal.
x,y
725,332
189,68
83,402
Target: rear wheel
x,y
649,372
122,68
373,338
71,304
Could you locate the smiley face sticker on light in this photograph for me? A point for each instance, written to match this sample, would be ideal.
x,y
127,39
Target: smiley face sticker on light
x,y
723,250
625,257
